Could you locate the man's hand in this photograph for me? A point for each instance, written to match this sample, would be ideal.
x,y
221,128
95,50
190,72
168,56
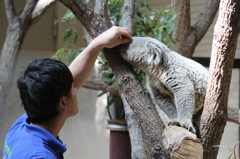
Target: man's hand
x,y
82,66
112,37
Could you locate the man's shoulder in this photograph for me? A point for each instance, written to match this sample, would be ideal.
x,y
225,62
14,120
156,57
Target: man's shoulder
x,y
28,147
21,143
18,122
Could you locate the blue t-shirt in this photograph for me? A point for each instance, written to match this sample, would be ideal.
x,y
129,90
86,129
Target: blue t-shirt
x,y
25,141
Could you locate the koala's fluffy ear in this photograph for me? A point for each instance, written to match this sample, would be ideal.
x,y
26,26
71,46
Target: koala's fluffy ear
x,y
154,53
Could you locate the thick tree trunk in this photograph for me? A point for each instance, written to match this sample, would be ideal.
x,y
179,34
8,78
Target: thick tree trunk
x,y
139,148
7,65
18,26
214,115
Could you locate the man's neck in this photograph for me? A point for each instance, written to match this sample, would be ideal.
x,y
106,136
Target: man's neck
x,y
52,126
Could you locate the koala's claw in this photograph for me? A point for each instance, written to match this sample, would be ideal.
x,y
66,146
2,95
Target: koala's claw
x,y
186,125
191,129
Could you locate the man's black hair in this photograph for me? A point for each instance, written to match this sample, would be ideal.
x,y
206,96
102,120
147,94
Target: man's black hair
x,y
41,85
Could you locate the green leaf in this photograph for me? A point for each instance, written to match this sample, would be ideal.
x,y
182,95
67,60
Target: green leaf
x,y
72,54
108,80
156,28
151,17
167,11
163,20
170,28
67,35
109,74
145,5
68,16
58,55
230,156
145,20
101,94
112,100
174,16
222,146
75,39
159,33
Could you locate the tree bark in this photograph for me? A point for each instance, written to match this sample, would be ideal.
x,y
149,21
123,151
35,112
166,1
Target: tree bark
x,y
17,28
214,115
139,148
188,35
97,83
135,133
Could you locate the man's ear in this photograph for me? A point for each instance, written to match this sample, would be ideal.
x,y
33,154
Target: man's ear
x,y
62,105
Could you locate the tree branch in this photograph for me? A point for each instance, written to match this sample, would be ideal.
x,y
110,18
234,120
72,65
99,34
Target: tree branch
x,y
91,22
139,101
183,20
101,10
233,115
135,131
128,15
25,14
190,36
10,10
101,7
182,143
41,6
98,84
205,18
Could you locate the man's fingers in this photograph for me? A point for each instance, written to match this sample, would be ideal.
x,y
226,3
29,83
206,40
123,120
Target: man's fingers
x,y
125,34
123,41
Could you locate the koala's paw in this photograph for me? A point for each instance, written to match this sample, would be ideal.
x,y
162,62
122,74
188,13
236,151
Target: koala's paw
x,y
188,125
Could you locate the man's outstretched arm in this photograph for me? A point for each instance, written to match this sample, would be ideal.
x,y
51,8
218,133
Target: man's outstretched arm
x,y
82,65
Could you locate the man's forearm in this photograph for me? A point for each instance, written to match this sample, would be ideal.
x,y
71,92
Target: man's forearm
x,y
83,64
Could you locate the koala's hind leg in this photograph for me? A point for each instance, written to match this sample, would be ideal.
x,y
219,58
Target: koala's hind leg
x,y
164,102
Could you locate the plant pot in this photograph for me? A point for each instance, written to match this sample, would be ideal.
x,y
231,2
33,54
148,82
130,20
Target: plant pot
x,y
120,147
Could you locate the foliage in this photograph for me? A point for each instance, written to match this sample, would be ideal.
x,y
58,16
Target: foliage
x,y
152,23
70,39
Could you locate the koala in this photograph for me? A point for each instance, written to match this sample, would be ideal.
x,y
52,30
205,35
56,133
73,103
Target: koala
x,y
176,84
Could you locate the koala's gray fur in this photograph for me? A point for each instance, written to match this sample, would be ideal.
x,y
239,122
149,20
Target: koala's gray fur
x,y
177,84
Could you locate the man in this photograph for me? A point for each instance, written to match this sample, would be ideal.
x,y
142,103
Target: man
x,y
48,90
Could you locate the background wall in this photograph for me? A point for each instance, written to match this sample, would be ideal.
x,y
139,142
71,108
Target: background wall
x,y
85,134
